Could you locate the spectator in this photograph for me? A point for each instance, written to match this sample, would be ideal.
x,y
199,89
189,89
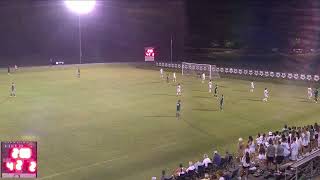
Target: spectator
x,y
279,155
206,177
270,153
191,167
240,148
317,140
252,146
216,159
270,137
246,164
197,164
164,176
220,175
286,148
206,160
259,139
294,149
262,153
180,171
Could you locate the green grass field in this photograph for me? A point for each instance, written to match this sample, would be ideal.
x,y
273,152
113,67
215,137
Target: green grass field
x,y
118,122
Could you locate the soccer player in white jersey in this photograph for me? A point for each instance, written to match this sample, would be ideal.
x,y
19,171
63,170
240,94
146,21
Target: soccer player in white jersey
x,y
252,86
266,95
310,94
161,73
210,86
203,77
174,77
179,90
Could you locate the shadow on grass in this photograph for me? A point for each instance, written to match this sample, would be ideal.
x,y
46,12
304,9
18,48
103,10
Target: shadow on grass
x,y
306,101
238,90
198,129
195,90
204,109
145,83
204,97
160,116
163,95
4,100
255,100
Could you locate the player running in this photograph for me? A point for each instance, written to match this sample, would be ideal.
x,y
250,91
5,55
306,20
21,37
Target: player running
x,y
216,91
221,102
174,77
178,109
266,95
310,93
252,86
316,92
161,73
13,90
8,70
179,90
210,86
203,77
167,78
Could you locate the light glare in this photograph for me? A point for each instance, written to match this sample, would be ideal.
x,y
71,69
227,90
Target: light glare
x,y
80,6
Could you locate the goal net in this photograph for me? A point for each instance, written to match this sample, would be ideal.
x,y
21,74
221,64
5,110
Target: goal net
x,y
195,69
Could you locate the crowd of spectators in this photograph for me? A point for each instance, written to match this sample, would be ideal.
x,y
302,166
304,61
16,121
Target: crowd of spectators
x,y
254,157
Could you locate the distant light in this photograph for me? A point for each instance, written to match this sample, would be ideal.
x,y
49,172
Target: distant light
x,y
80,6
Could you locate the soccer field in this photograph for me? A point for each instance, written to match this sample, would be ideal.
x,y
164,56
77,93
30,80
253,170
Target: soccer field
x,y
118,122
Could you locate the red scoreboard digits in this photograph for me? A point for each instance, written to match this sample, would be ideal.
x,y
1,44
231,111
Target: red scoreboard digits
x,y
19,159
149,54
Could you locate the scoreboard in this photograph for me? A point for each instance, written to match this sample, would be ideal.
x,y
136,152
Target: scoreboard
x,y
19,159
148,54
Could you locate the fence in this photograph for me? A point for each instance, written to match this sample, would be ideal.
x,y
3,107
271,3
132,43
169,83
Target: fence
x,y
252,72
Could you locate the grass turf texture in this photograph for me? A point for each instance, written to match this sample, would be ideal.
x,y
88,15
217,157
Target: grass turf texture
x,y
118,122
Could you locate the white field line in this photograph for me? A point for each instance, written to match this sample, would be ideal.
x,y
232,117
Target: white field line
x,y
100,163
83,167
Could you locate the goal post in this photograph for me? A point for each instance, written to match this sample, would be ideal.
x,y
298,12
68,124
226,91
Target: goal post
x,y
195,69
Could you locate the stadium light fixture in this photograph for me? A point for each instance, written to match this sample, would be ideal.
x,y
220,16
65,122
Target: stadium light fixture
x,y
80,7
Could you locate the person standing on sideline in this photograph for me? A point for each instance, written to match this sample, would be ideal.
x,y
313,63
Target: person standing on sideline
x,y
178,109
216,91
252,86
78,72
210,86
316,92
221,102
161,73
309,93
13,90
179,90
174,77
203,77
266,95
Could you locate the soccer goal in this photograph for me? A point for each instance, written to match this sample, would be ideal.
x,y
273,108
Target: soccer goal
x,y
195,69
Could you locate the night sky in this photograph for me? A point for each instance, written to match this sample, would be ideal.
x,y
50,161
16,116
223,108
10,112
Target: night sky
x,y
32,32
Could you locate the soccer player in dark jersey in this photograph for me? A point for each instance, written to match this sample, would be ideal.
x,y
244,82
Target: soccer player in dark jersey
x,y
216,91
178,109
167,78
13,90
221,102
316,93
78,72
8,70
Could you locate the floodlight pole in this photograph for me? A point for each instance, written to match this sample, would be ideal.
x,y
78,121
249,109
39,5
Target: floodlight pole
x,y
80,45
171,41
